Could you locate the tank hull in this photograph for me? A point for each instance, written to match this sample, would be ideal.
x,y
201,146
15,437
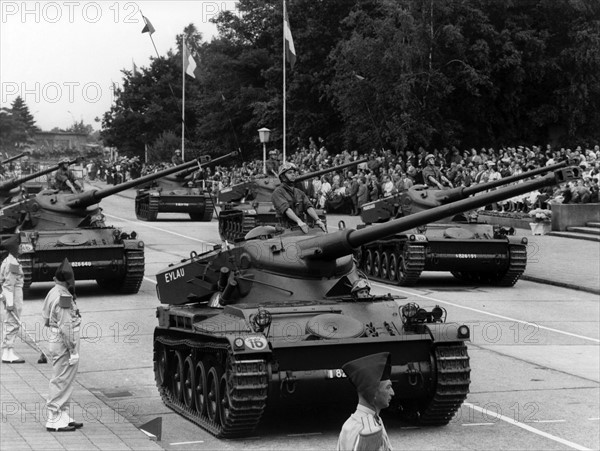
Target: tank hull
x,y
100,254
198,204
292,363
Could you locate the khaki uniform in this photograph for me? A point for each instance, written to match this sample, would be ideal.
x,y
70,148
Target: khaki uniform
x,y
62,317
363,430
11,281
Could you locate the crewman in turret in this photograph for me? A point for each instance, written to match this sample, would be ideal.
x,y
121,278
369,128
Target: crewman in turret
x,y
64,179
361,289
176,159
432,176
291,203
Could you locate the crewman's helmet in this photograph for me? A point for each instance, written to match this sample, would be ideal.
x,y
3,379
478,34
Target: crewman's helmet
x,y
178,151
360,284
429,156
285,167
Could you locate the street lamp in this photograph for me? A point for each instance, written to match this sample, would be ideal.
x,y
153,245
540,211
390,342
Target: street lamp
x,y
264,134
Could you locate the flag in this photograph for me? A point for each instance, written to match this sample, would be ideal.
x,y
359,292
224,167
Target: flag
x,y
290,51
188,61
148,28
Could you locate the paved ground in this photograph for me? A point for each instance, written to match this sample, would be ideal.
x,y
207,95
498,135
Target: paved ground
x,y
552,260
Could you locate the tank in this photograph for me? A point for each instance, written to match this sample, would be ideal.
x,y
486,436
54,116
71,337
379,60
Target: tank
x,y
247,205
55,224
269,322
470,250
12,190
13,158
177,193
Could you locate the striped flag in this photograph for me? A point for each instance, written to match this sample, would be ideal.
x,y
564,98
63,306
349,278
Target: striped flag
x,y
188,61
290,50
148,28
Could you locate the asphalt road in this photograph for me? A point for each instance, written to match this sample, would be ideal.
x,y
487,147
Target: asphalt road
x,y
535,366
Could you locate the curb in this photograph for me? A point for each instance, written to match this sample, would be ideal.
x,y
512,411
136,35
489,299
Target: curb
x,y
572,286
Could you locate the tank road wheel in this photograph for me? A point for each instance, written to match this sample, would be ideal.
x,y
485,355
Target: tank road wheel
x,y
411,264
224,405
452,371
161,364
27,265
377,264
213,382
189,382
393,268
369,262
200,388
384,270
177,381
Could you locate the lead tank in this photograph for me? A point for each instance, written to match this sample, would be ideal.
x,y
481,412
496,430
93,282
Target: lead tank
x,y
270,321
247,205
56,224
177,193
471,250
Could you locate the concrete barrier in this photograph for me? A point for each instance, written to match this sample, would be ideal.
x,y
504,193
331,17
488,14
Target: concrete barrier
x,y
573,215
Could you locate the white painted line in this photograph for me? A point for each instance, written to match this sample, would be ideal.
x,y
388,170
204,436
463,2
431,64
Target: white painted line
x,y
508,318
150,280
548,421
138,223
478,424
594,419
526,427
186,443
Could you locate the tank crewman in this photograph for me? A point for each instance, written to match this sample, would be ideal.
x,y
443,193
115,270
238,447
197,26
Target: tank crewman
x,y
11,292
432,176
361,289
62,317
64,179
292,203
272,164
364,430
176,158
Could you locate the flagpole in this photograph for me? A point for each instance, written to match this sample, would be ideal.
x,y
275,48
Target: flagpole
x,y
183,97
284,102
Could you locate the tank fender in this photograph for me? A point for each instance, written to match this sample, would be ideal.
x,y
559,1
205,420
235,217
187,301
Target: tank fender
x,y
517,240
449,332
133,244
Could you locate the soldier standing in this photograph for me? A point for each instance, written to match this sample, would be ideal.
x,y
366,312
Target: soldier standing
x,y
62,317
11,291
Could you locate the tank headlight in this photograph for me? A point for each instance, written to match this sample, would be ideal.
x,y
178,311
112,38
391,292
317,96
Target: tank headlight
x,y
140,244
412,238
238,343
437,312
463,331
409,310
524,240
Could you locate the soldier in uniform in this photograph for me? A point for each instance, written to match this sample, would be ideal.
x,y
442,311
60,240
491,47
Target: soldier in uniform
x,y
64,179
176,158
364,430
62,317
361,289
291,203
11,291
432,176
271,164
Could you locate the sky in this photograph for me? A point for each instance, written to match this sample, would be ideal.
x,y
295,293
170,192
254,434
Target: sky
x,y
62,57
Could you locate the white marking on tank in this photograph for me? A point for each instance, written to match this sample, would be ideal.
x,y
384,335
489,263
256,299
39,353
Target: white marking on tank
x,y
508,318
526,427
172,275
186,443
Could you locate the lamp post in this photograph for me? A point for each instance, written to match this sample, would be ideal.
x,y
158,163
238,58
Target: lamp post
x,y
264,134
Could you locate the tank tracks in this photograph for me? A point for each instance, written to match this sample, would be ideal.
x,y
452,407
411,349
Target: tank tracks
x,y
27,265
387,266
147,211
233,227
207,214
205,384
517,262
134,267
451,385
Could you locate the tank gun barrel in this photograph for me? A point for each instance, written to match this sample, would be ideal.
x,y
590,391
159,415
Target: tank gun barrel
x,y
310,175
335,245
13,183
207,163
463,192
92,197
16,157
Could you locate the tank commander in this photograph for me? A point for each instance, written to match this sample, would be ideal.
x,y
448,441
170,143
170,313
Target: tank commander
x,y
291,203
176,158
432,176
361,289
271,164
63,320
64,179
364,430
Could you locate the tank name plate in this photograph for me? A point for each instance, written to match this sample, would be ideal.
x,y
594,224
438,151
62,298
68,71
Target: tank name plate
x,y
172,275
80,264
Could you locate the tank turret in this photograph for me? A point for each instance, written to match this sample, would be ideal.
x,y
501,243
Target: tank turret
x,y
248,204
8,185
178,193
269,322
13,158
